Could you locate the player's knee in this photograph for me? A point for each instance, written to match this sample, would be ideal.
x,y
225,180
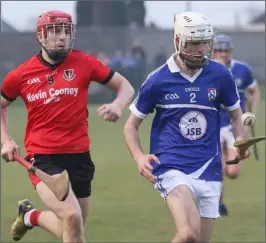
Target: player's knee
x,y
188,235
75,220
72,216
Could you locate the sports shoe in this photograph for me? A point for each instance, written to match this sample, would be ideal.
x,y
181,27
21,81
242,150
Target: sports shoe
x,y
18,228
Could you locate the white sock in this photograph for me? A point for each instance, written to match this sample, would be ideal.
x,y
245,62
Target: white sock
x,y
27,217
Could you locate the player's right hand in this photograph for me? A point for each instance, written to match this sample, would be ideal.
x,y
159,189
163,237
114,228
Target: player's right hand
x,y
246,155
8,149
144,166
110,112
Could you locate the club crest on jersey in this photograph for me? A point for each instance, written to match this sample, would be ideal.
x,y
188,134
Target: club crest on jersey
x,y
212,94
238,82
69,74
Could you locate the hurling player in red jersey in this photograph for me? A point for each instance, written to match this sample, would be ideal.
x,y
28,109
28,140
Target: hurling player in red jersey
x,y
54,87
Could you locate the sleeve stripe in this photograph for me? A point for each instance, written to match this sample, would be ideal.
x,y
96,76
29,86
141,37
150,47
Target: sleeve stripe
x,y
136,99
109,77
252,85
7,97
233,107
136,112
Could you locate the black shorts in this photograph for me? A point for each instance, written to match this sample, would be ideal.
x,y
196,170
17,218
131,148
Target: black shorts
x,y
80,168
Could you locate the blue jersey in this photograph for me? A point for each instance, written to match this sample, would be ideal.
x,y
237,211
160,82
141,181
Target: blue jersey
x,y
185,133
244,80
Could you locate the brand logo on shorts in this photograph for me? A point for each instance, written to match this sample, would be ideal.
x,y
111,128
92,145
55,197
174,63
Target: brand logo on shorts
x,y
193,125
69,74
212,94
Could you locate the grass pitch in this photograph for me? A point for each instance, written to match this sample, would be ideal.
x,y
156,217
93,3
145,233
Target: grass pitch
x,y
125,207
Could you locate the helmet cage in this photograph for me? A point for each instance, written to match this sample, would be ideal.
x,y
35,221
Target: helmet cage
x,y
51,33
194,60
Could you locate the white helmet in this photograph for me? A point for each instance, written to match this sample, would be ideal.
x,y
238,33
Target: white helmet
x,y
191,27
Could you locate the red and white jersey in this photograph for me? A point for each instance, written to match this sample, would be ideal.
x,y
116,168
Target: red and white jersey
x,y
56,100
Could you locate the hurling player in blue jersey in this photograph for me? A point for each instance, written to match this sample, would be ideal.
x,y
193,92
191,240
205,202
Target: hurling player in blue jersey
x,y
184,162
248,89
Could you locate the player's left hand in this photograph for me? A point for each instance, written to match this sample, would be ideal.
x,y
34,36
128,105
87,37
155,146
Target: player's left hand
x,y
111,112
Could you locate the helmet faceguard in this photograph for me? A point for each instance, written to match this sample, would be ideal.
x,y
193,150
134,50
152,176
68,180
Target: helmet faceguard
x,y
56,34
193,39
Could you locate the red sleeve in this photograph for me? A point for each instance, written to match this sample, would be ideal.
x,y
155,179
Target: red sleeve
x,y
100,72
11,86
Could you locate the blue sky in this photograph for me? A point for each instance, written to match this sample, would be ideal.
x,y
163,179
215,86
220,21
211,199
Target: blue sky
x,y
22,14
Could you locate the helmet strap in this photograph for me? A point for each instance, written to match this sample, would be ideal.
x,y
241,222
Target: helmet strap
x,y
56,56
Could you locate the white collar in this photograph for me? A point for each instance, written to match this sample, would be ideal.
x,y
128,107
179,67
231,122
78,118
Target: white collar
x,y
172,64
175,69
232,64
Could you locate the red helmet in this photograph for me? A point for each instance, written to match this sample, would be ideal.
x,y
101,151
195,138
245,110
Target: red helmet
x,y
53,19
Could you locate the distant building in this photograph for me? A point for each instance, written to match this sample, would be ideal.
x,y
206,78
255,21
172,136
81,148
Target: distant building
x,y
7,28
260,19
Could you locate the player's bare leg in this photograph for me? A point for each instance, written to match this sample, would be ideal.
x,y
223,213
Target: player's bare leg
x,y
64,220
222,207
68,214
84,204
30,217
51,223
232,171
181,203
206,229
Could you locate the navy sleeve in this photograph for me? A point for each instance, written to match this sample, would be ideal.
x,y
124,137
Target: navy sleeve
x,y
229,92
145,100
249,81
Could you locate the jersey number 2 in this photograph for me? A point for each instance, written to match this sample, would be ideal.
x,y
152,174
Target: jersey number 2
x,y
192,98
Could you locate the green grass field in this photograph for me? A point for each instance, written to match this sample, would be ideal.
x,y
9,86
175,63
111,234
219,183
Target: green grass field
x,y
125,207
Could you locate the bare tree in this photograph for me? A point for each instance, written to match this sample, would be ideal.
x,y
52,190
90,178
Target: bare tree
x,y
253,10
